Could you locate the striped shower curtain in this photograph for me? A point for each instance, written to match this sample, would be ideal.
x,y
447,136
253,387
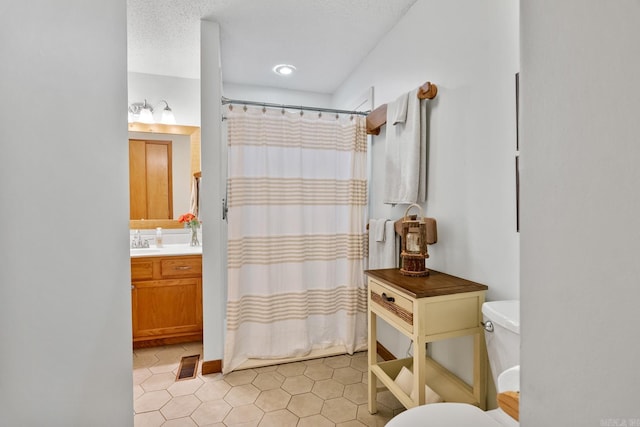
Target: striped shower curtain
x,y
297,199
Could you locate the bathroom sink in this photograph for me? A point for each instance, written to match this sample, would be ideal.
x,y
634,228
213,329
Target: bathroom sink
x,y
145,251
166,250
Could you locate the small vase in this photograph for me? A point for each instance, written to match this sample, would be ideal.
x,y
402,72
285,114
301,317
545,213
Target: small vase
x,y
194,237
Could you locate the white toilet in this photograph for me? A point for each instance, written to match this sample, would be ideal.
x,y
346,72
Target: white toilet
x,y
502,334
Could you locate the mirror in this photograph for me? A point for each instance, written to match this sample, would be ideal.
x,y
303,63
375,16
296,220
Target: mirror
x,y
179,135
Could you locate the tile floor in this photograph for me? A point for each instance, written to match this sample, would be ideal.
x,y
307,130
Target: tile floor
x,y
316,393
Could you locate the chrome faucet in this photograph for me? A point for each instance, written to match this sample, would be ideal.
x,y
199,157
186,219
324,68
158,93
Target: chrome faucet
x,y
138,242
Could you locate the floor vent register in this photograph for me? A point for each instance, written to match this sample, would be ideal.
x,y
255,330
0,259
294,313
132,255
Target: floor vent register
x,y
188,368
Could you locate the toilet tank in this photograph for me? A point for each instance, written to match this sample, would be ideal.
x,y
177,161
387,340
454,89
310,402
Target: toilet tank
x,y
503,342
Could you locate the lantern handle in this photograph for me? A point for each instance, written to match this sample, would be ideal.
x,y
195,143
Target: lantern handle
x,y
406,213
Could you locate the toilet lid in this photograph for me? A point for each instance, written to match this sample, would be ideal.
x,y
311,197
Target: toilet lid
x,y
443,415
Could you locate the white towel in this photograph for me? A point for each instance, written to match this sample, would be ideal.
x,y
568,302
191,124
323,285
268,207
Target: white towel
x,y
383,254
397,110
194,203
376,228
406,152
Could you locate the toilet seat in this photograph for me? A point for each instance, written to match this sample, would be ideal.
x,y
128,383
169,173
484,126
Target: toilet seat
x,y
444,415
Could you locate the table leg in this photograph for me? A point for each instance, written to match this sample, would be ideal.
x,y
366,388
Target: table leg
x,y
372,355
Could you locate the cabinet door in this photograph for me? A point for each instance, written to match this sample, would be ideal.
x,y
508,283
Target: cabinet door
x,y
166,308
150,180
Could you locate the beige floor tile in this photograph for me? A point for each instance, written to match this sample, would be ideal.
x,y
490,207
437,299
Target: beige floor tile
x,y
141,374
339,410
171,353
304,405
268,380
315,421
270,368
297,385
184,387
352,423
164,367
292,369
240,377
378,419
341,361
213,390
193,347
313,393
143,360
210,377
137,391
248,415
389,400
357,393
211,412
151,401
328,389
180,407
242,395
158,382
310,362
148,419
273,400
319,372
280,418
347,375
142,352
180,422
399,411
360,363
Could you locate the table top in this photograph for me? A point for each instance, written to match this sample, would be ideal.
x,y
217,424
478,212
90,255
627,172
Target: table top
x,y
435,284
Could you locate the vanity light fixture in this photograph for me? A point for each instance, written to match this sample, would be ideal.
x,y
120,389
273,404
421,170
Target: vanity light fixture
x,y
143,112
284,69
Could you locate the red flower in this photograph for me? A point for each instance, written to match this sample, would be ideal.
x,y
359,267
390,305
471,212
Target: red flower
x,y
188,217
189,220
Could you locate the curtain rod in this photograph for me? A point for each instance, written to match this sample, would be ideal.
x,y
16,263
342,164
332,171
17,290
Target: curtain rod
x,y
292,107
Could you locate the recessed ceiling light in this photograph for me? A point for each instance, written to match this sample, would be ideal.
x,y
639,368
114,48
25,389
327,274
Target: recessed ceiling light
x,y
284,69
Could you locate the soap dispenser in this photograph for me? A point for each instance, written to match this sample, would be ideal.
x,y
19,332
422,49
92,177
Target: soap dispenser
x,y
159,237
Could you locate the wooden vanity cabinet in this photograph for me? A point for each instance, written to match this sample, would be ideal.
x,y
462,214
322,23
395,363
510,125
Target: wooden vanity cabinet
x,y
166,299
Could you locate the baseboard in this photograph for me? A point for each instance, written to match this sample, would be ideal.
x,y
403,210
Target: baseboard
x,y
211,367
383,352
157,342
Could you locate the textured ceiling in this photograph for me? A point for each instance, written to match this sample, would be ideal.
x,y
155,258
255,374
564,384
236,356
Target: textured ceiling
x,y
324,39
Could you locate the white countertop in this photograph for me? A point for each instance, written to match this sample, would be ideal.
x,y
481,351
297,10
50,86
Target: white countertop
x,y
166,250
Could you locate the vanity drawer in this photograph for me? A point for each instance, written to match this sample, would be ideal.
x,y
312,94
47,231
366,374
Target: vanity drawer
x,y
393,303
181,267
141,269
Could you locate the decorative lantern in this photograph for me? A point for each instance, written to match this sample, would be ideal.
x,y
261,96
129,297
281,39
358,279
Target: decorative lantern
x,y
414,245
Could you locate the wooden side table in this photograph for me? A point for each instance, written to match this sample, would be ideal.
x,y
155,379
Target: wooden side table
x,y
426,309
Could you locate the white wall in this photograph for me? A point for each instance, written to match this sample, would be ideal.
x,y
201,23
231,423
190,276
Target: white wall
x,y
580,203
470,50
65,340
214,255
275,95
183,95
